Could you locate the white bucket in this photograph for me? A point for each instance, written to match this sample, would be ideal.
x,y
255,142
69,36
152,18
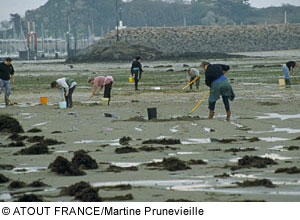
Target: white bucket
x,y
62,104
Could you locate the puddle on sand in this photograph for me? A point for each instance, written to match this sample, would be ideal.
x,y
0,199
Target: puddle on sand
x,y
278,148
22,170
183,153
2,106
197,141
5,196
174,130
288,130
275,115
39,124
110,142
29,115
273,139
275,156
61,151
138,129
130,164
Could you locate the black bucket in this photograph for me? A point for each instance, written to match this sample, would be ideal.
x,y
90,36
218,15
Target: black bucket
x,y
151,113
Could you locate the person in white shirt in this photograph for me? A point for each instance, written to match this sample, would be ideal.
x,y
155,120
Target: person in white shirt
x,y
67,87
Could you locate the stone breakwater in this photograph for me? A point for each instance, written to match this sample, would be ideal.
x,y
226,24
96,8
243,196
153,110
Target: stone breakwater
x,y
212,38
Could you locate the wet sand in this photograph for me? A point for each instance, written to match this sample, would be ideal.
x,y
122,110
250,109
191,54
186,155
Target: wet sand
x,y
262,110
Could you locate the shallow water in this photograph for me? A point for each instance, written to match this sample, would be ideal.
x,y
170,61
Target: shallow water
x,y
275,115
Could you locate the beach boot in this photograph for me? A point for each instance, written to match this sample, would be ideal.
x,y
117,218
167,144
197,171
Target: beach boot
x,y
228,116
7,101
211,115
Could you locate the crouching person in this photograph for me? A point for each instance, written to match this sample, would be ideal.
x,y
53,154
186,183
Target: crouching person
x,y
219,86
101,81
67,87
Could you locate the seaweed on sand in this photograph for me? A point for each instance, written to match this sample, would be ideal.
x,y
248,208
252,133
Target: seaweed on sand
x,y
170,164
34,130
125,150
124,140
37,183
16,184
163,141
121,187
83,161
253,161
30,198
36,139
64,167
117,169
10,125
49,141
3,179
257,182
16,144
292,170
36,149
235,150
17,137
119,198
196,162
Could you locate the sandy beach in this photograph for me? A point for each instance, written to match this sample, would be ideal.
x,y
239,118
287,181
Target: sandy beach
x,y
265,124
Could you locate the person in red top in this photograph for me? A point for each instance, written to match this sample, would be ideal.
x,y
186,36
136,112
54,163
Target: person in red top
x,y
101,81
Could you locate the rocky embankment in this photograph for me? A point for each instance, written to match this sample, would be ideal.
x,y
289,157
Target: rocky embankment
x,y
192,42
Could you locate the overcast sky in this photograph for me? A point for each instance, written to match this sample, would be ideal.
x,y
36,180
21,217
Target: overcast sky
x,y
20,6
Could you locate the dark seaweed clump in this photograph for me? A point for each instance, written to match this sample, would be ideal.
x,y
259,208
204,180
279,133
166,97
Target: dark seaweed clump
x,y
49,142
258,182
196,162
36,139
225,141
253,161
121,187
34,130
290,148
6,167
16,184
3,179
17,137
170,164
36,149
117,169
292,170
124,140
162,141
119,198
82,191
125,150
235,150
16,144
37,183
64,167
83,161
30,198
224,175
178,200
10,125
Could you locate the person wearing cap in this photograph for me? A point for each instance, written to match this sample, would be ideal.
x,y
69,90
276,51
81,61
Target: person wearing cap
x,y
101,81
287,69
6,77
136,71
191,74
219,86
67,86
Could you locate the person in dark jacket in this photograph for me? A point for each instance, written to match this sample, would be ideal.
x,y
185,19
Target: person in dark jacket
x,y
219,86
287,69
136,71
6,77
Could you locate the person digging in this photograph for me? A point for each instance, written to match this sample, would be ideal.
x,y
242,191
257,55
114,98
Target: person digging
x,y
216,80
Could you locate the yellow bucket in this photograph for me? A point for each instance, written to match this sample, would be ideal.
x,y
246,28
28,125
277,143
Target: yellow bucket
x,y
105,101
130,79
44,100
281,82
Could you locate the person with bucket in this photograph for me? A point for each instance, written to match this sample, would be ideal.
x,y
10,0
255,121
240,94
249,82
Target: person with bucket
x,y
136,71
219,86
67,87
101,81
6,77
193,74
287,69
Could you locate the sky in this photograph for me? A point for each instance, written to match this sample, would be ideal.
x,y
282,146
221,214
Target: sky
x,y
20,6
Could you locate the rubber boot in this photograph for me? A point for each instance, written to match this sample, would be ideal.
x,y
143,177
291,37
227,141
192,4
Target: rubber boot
x,y
7,101
228,116
211,115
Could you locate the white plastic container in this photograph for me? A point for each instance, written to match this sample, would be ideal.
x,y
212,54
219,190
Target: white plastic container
x,y
62,104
